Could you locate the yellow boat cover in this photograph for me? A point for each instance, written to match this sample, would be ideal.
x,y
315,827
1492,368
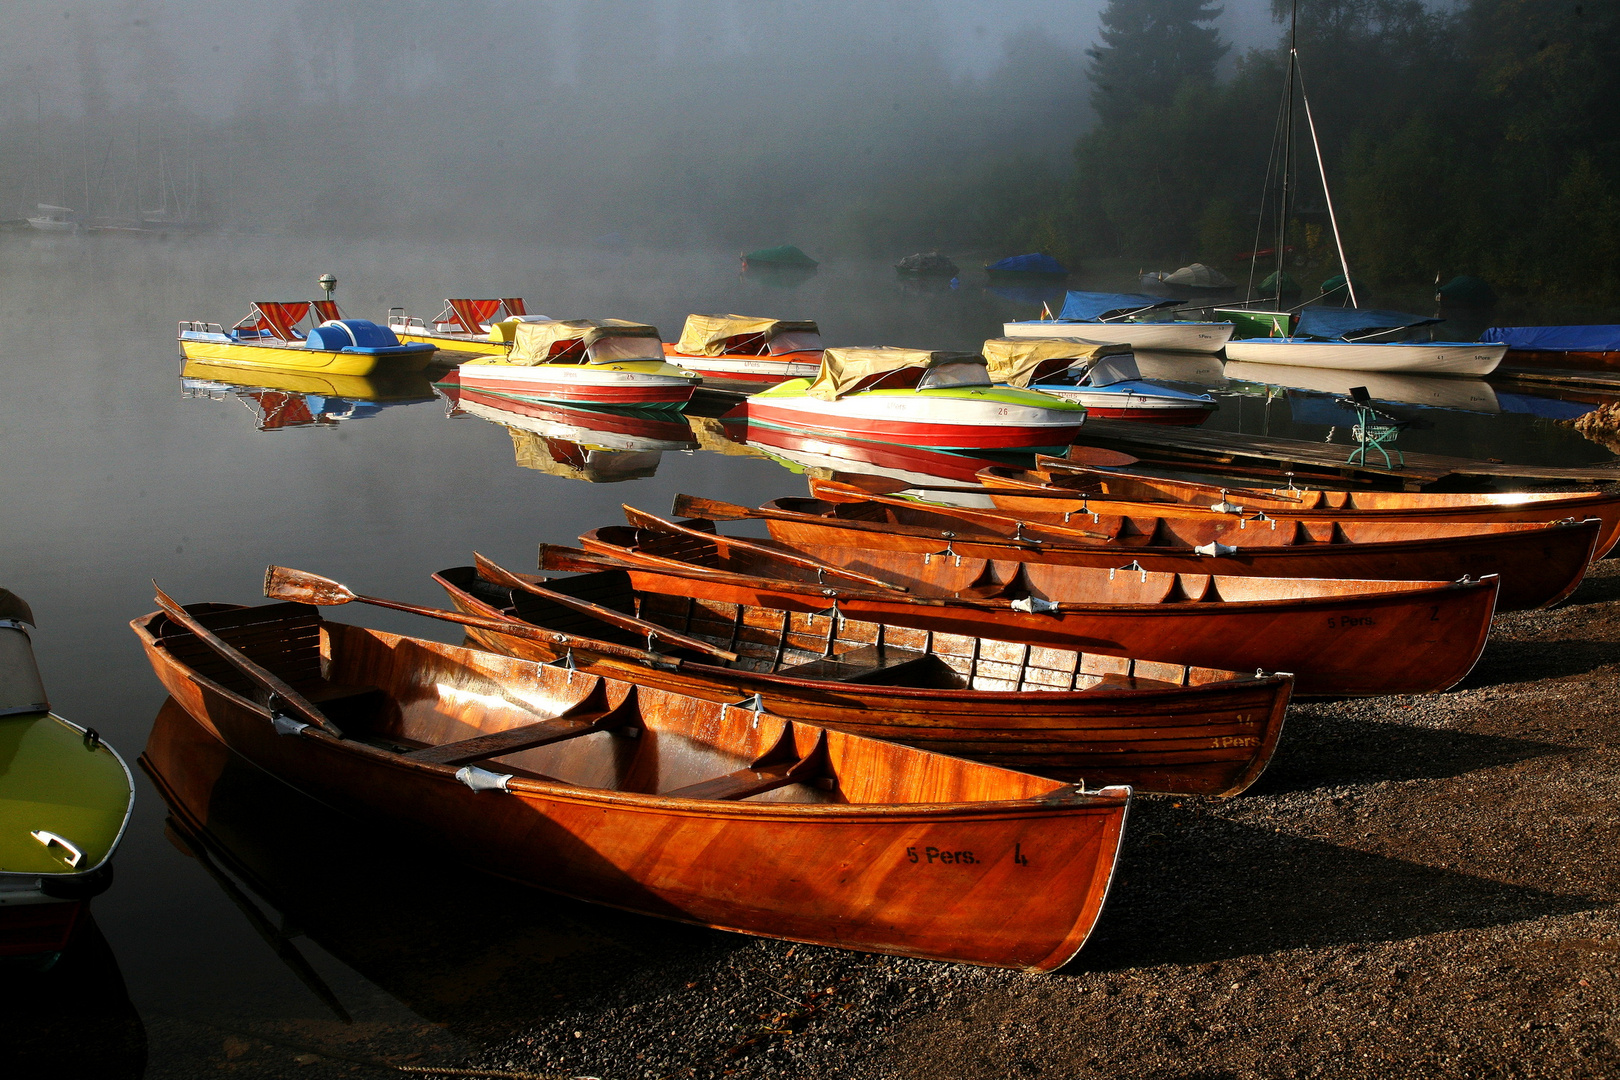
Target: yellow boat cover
x,y
533,342
576,462
842,369
705,335
1014,360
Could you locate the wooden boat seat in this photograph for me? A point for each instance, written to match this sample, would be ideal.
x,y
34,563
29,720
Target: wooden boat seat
x,y
740,784
586,717
510,741
880,667
778,767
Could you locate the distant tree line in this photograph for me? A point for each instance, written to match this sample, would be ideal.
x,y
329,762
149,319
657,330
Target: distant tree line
x,y
1479,138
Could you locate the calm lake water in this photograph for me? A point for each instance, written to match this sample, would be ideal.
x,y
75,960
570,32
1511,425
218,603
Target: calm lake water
x,y
117,472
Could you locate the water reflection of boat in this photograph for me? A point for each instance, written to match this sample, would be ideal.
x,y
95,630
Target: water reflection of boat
x,y
454,948
803,451
1199,369
73,1020
598,446
595,429
284,399
1436,392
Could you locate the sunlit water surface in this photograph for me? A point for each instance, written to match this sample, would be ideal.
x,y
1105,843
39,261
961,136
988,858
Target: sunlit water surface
x,y
117,473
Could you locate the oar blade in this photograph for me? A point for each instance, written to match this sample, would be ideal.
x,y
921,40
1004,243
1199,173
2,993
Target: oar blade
x,y
285,583
693,506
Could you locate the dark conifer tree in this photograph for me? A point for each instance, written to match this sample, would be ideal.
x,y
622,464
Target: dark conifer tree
x,y
1149,50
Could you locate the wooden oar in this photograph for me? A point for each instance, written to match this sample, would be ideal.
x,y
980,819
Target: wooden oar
x,y
267,681
715,510
285,583
643,520
492,571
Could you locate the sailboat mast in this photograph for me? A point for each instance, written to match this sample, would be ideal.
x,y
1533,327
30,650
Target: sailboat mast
x,y
1288,151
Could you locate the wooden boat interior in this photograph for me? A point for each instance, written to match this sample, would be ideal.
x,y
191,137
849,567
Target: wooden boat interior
x,y
425,704
942,576
820,648
1080,525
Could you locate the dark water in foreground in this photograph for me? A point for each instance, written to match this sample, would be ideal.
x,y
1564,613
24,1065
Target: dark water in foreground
x,y
115,472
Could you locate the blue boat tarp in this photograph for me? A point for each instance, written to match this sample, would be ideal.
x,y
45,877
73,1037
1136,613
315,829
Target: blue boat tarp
x,y
1028,264
1092,306
1336,323
1556,338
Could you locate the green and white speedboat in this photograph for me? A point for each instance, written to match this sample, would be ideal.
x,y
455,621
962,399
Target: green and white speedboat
x,y
65,800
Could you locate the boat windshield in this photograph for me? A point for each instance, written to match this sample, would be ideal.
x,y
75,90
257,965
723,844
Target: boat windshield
x,y
959,373
606,350
795,341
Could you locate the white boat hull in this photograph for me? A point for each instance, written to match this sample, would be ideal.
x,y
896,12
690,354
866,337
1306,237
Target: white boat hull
x,y
1415,357
1192,337
943,423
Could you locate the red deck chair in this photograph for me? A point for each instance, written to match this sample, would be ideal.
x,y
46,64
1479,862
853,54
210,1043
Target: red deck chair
x,y
281,409
281,320
513,305
472,314
327,310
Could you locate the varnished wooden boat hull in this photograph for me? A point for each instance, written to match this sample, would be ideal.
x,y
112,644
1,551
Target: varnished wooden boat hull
x,y
1539,563
1213,735
1337,638
1317,504
937,858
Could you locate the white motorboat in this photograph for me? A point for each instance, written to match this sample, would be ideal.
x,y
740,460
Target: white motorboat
x,y
1338,338
940,400
1124,319
741,349
1103,378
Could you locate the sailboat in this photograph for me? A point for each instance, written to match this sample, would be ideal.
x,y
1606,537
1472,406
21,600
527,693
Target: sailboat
x,y
1346,339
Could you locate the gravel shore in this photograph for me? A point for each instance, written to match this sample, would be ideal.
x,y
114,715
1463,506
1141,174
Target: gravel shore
x,y
1417,887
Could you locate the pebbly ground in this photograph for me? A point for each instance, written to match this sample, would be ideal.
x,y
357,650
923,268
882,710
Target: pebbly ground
x,y
1418,887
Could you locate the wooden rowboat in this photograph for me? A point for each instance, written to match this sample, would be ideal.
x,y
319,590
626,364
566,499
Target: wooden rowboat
x,y
1063,475
1054,712
1539,564
1337,637
652,801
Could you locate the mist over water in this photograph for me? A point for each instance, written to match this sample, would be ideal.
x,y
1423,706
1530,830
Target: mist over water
x,y
656,121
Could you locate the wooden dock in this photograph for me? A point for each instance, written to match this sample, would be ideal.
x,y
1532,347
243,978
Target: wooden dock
x,y
1232,453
